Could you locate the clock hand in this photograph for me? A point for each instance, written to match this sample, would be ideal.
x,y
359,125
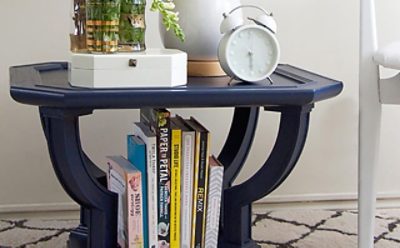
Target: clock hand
x,y
251,51
251,59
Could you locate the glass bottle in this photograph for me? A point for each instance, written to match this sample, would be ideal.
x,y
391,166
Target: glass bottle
x,y
132,26
102,25
78,26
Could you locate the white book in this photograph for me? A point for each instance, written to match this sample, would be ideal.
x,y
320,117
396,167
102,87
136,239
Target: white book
x,y
214,202
187,174
149,138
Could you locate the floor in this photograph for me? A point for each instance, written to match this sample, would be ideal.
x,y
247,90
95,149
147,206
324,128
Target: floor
x,y
276,229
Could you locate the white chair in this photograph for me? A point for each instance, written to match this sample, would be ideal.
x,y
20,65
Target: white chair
x,y
374,91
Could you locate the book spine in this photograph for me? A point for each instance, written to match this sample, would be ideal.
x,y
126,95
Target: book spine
x,y
201,201
135,211
137,156
151,168
195,192
117,184
214,206
152,197
187,187
159,121
164,179
175,186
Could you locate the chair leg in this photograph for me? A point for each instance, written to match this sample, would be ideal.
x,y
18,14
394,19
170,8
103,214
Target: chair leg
x,y
369,137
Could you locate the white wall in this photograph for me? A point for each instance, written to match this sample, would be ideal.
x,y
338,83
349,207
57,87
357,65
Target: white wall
x,y
321,36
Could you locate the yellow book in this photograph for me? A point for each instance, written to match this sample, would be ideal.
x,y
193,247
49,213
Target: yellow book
x,y
200,182
176,134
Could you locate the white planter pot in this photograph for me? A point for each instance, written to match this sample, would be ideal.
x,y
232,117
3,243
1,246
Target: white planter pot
x,y
200,20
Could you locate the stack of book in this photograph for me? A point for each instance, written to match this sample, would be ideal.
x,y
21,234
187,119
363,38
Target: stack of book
x,y
169,186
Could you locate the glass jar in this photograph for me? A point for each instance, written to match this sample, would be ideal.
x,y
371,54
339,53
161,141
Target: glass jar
x,y
102,25
132,26
78,26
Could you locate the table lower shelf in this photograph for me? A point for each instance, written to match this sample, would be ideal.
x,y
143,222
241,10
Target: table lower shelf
x,y
85,182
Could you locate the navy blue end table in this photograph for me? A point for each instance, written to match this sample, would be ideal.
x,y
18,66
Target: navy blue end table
x,y
293,93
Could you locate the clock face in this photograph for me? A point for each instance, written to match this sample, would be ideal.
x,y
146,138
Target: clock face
x,y
252,53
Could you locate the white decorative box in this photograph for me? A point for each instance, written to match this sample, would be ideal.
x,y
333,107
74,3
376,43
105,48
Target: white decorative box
x,y
151,68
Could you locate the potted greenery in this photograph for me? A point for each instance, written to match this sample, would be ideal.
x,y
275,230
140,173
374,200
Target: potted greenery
x,y
201,20
170,17
119,25
132,22
102,25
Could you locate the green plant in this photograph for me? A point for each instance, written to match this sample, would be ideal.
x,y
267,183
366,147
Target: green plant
x,y
170,18
113,25
102,25
132,24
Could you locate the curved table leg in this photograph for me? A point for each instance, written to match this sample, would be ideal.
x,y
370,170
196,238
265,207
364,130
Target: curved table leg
x,y
238,199
79,178
238,143
79,236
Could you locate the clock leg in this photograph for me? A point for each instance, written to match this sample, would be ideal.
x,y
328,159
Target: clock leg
x,y
270,81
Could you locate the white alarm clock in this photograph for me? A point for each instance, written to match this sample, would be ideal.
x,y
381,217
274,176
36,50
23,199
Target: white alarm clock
x,y
249,52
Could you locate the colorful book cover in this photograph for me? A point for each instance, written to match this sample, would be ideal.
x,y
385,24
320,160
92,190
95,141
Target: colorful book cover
x,y
159,121
149,138
125,180
137,156
201,182
187,181
176,134
216,175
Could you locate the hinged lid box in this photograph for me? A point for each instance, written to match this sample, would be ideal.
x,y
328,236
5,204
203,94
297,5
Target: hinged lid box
x,y
151,68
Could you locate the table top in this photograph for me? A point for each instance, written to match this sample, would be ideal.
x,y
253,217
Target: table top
x,y
47,84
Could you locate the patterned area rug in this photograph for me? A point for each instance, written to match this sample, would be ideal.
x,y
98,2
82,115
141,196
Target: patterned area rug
x,y
276,229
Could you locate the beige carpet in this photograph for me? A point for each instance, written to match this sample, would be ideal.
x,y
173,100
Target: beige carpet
x,y
277,229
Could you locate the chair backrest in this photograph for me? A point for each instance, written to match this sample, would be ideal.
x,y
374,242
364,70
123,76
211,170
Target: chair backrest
x,y
368,40
368,70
